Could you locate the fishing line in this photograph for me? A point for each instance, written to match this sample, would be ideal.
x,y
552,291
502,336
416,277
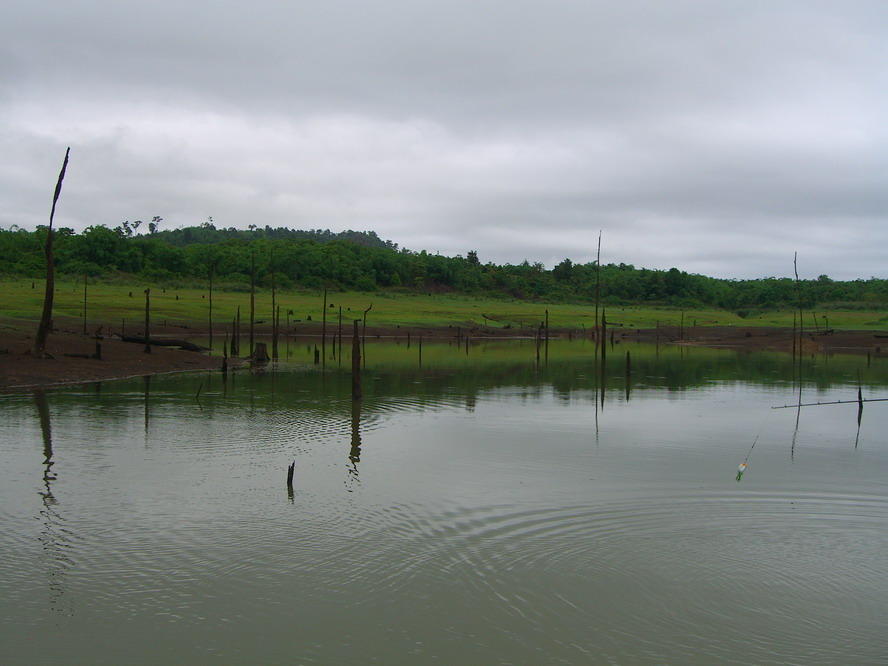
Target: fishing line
x,y
742,467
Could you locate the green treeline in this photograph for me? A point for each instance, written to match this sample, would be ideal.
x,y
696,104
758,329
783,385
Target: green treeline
x,y
361,261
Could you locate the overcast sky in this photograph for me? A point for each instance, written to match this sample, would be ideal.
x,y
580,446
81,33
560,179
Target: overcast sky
x,y
717,137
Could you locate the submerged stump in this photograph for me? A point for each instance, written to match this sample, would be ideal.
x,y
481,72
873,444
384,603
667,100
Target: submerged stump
x,y
260,353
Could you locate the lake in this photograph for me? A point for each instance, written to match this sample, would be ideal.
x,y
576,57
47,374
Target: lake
x,y
477,506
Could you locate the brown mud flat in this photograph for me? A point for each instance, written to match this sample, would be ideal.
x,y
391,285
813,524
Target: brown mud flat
x,y
19,371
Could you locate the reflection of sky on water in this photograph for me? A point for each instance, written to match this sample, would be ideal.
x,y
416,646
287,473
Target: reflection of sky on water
x,y
508,505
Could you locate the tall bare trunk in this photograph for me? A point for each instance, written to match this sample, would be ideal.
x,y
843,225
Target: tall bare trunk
x,y
252,296
45,326
597,284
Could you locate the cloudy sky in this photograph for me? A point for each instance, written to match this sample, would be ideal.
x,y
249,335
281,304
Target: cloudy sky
x,y
718,137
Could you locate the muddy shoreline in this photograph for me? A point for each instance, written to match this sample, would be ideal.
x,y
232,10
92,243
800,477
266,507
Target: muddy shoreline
x,y
72,351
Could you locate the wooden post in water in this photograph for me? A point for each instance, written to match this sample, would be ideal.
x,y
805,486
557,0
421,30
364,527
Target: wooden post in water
x,y
364,334
233,347
340,334
274,310
628,375
276,316
356,363
290,471
324,332
547,337
603,334
597,285
147,349
85,280
795,268
238,329
210,321
252,297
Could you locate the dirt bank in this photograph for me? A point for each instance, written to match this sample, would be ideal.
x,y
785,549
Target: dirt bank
x,y
19,371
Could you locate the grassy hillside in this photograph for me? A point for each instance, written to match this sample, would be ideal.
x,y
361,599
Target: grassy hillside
x,y
117,304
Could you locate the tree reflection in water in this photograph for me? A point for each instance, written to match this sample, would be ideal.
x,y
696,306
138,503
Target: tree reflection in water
x,y
55,538
354,455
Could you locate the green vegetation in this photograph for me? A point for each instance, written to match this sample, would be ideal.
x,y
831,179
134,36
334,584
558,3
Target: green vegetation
x,y
408,288
117,302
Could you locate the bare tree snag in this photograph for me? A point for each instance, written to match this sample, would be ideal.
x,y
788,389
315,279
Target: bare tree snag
x,y
45,326
597,284
252,297
324,332
147,349
356,363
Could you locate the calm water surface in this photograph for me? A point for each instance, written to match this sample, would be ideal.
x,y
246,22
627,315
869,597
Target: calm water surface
x,y
475,508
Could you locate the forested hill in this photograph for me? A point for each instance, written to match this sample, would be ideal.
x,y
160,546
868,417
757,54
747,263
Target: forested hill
x,y
208,233
362,261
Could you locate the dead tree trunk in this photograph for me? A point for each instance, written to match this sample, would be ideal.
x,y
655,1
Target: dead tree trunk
x,y
274,312
212,268
324,332
85,282
147,349
597,284
603,334
260,353
356,363
45,326
252,297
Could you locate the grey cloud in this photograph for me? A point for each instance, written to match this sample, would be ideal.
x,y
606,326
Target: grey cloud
x,y
714,137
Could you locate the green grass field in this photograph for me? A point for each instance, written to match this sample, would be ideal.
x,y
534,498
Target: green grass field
x,y
114,304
